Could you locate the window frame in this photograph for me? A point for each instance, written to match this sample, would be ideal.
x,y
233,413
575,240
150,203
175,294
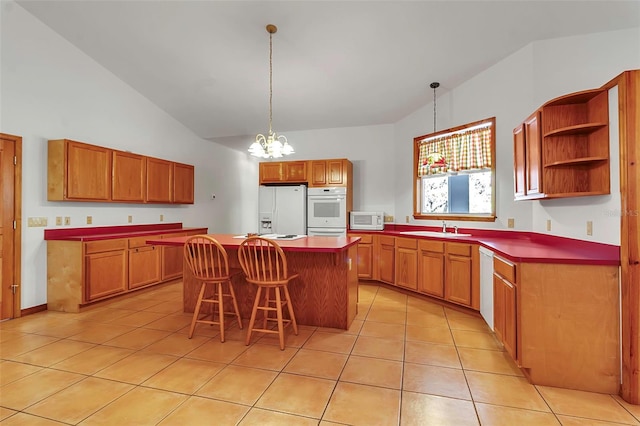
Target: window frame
x,y
417,180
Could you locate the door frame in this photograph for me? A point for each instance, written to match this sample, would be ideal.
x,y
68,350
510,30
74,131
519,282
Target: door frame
x,y
17,215
629,112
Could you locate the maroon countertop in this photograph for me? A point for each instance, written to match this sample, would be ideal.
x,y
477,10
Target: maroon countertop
x,y
527,247
109,232
307,244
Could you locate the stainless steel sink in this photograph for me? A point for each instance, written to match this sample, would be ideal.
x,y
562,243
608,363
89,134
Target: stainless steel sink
x,y
434,234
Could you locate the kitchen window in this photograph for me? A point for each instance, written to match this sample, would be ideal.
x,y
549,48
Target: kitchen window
x,y
455,173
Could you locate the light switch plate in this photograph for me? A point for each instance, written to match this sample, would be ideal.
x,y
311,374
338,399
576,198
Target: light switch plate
x,y
161,218
129,219
58,220
388,219
511,222
589,227
67,220
548,224
89,220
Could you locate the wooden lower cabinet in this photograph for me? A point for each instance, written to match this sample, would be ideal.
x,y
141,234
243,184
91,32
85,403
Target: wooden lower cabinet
x,y
365,256
458,270
144,263
105,274
79,273
386,258
406,259
431,268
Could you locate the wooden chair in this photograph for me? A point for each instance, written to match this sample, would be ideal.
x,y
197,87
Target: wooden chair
x,y
265,265
209,264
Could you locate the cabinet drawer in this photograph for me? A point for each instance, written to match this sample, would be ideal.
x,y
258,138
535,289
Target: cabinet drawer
x,y
459,249
386,240
105,245
434,246
140,241
364,239
504,268
408,243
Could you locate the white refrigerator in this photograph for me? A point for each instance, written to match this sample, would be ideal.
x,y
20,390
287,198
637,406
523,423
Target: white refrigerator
x,y
282,210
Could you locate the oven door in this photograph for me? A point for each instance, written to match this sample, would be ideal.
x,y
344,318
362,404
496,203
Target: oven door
x,y
327,211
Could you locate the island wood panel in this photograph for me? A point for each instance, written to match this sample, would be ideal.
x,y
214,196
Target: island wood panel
x,y
569,326
65,272
325,294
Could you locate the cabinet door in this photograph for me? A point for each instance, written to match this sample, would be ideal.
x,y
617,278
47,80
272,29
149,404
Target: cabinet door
x,y
533,155
270,172
159,180
318,173
519,165
365,261
105,274
407,267
295,171
129,176
183,178
386,269
458,279
509,338
335,173
172,259
144,266
498,307
431,273
88,174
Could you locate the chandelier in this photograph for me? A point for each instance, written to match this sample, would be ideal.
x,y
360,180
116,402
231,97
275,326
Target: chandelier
x,y
272,145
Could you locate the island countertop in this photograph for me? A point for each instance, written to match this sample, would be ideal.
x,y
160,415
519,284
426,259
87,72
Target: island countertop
x,y
306,244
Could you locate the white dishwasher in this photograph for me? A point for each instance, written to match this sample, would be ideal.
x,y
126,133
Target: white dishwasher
x,y
486,285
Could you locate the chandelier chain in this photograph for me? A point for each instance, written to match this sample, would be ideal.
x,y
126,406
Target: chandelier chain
x,y
270,79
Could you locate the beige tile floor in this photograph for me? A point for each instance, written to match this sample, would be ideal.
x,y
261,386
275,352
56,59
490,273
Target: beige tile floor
x,y
404,361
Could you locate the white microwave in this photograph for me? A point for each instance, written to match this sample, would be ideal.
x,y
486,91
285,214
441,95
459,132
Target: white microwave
x,y
366,220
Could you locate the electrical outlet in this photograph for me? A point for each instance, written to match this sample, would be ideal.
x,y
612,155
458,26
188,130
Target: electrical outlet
x,y
161,218
58,220
129,219
511,222
388,219
89,220
67,220
589,227
548,224
406,219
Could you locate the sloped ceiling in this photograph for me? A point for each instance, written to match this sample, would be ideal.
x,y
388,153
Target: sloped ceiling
x,y
335,63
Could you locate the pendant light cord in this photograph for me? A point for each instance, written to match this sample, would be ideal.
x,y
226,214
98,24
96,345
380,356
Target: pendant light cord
x,y
434,86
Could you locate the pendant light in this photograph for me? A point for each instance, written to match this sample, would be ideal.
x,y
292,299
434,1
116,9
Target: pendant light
x,y
434,86
272,145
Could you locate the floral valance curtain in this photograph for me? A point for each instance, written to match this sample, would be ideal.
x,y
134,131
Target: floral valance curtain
x,y
466,150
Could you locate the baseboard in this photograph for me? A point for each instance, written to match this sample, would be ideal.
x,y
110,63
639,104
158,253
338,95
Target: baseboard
x,y
33,310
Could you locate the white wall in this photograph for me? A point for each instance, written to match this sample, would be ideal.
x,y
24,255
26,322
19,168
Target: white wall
x,y
511,90
50,90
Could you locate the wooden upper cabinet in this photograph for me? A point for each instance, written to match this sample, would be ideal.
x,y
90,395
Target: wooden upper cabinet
x,y
183,183
129,177
82,172
329,172
159,180
283,172
564,147
78,171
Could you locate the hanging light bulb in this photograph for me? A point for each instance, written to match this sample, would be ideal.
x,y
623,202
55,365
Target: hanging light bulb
x,y
272,145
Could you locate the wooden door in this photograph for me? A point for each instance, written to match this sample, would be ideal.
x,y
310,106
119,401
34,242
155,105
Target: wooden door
x,y
335,173
10,188
270,172
318,173
129,176
533,154
144,266
88,172
431,273
183,183
458,279
365,261
172,259
159,180
105,274
519,162
407,267
385,262
510,326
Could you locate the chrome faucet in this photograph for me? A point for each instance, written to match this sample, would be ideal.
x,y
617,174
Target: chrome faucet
x,y
444,226
455,229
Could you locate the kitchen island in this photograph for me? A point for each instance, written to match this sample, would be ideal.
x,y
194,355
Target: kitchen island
x,y
325,294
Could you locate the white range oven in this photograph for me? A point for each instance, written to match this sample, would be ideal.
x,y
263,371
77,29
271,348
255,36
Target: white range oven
x,y
327,211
